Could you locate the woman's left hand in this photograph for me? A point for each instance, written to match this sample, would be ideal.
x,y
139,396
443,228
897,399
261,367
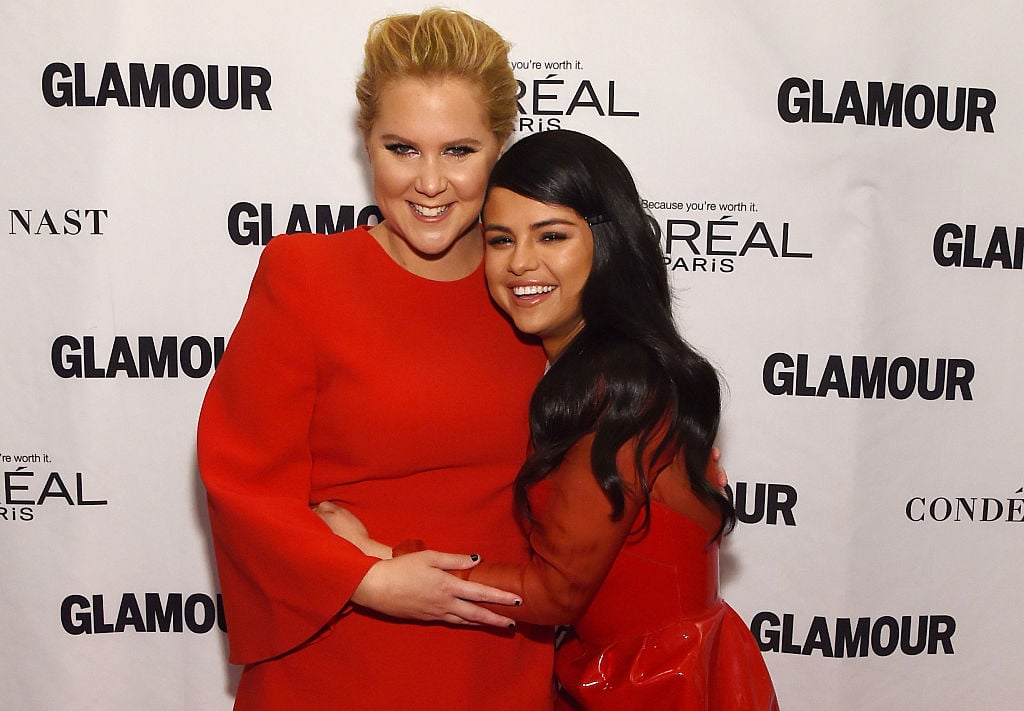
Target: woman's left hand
x,y
721,480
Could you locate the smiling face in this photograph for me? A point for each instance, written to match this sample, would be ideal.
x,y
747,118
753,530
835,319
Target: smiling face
x,y
430,150
538,258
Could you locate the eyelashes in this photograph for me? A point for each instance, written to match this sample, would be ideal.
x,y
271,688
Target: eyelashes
x,y
401,149
499,240
404,149
461,151
553,236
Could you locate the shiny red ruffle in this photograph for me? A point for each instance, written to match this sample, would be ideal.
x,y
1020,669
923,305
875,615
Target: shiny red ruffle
x,y
709,662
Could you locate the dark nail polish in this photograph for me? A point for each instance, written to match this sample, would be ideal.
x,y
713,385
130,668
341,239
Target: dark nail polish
x,y
517,603
474,557
511,625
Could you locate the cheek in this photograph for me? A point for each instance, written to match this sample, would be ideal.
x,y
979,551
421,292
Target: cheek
x,y
577,270
386,176
497,294
491,273
472,182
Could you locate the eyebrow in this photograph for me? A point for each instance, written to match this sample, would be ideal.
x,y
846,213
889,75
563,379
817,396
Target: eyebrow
x,y
456,142
534,226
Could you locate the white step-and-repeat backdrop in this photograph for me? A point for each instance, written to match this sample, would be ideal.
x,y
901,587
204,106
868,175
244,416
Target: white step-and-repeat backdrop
x,y
840,193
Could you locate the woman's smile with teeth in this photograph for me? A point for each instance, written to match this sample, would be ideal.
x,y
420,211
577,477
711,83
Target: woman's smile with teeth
x,y
430,211
531,290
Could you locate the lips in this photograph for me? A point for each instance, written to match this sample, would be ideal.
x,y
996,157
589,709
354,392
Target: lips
x,y
532,289
430,212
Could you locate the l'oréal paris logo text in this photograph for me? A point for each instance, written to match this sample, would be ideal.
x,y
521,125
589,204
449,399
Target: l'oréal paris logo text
x,y
138,85
720,244
877,104
560,92
31,484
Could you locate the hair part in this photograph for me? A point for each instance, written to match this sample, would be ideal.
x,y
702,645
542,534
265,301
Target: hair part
x,y
439,44
628,374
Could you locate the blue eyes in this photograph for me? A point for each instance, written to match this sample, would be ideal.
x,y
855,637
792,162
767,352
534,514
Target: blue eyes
x,y
401,149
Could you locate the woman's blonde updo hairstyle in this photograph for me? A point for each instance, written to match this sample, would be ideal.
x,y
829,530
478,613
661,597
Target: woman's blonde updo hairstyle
x,y
439,43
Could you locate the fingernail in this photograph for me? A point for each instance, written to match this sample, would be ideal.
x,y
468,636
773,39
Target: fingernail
x,y
474,557
511,625
517,603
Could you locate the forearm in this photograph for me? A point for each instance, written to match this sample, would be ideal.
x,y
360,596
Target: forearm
x,y
419,584
573,543
548,598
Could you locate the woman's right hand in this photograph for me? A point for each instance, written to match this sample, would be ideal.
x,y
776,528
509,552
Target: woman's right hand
x,y
344,523
416,586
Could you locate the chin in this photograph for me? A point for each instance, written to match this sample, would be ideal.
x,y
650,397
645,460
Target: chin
x,y
431,246
529,328
437,245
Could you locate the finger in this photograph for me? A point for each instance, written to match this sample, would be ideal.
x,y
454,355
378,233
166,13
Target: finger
x,y
456,620
474,614
450,561
478,592
466,589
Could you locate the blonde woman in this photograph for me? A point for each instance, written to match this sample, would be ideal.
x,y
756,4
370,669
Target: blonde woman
x,y
371,369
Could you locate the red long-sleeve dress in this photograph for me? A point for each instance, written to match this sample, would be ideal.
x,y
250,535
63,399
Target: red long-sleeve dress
x,y
649,628
348,378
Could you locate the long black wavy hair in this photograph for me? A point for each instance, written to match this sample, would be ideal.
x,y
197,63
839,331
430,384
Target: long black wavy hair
x,y
628,373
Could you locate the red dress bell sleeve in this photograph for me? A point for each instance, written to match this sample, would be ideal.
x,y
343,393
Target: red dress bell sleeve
x,y
283,574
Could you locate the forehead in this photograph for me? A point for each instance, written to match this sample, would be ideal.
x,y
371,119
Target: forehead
x,y
431,107
511,209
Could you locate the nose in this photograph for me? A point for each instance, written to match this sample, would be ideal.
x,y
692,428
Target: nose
x,y
430,180
523,258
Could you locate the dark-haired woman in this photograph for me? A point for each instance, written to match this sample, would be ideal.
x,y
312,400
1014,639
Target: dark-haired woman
x,y
617,495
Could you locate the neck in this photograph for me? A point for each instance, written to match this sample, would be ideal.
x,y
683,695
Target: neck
x,y
554,345
457,262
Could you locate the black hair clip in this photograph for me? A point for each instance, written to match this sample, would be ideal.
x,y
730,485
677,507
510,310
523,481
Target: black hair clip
x,y
595,220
